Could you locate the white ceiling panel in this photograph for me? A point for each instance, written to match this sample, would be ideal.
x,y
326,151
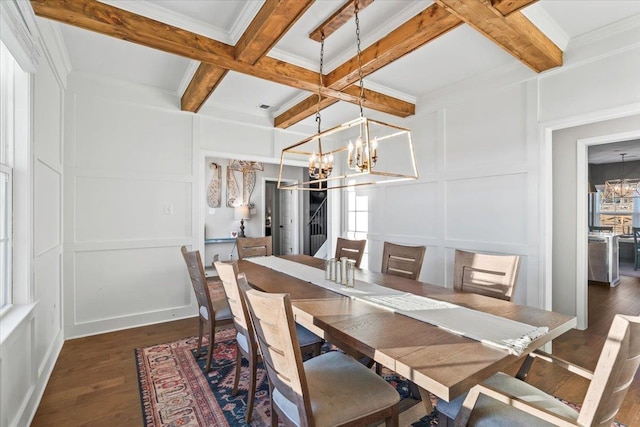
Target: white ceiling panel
x,y
245,93
118,59
455,56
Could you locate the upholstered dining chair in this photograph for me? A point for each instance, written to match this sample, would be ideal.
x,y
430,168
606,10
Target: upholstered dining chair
x,y
323,391
503,400
636,248
403,261
254,246
212,312
352,249
490,275
245,337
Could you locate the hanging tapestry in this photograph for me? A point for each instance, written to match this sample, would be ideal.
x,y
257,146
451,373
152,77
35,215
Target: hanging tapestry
x,y
213,190
248,170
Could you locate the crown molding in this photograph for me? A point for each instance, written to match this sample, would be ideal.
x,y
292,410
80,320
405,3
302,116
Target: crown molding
x,y
627,24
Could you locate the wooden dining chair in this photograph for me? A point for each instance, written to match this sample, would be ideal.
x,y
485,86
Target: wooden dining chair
x,y
254,246
484,274
324,391
352,249
245,337
403,261
212,312
504,400
636,248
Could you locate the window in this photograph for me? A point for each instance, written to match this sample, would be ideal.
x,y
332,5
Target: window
x,y
621,214
7,66
358,220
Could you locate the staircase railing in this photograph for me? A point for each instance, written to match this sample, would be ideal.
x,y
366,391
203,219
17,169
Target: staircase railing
x,y
317,227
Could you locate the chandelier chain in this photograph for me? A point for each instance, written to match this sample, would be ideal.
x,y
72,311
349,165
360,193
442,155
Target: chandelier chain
x,y
320,78
361,98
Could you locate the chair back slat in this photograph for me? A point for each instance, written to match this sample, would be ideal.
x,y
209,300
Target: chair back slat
x,y
352,249
275,329
254,246
614,372
198,278
403,261
228,272
490,275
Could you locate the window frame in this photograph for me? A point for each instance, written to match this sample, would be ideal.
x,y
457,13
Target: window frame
x,y
7,149
355,232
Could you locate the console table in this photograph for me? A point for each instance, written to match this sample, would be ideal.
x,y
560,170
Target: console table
x,y
209,270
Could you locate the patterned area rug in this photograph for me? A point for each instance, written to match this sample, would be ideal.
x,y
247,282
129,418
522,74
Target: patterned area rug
x,y
175,391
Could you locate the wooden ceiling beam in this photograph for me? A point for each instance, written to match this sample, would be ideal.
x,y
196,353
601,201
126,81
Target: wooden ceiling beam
x,y
338,19
205,80
301,111
272,21
426,26
373,100
102,18
507,7
514,33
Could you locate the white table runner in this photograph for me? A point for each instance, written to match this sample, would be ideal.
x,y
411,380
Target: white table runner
x,y
488,328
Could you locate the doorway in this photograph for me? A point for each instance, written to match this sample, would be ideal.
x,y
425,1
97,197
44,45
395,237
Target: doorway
x,y
281,218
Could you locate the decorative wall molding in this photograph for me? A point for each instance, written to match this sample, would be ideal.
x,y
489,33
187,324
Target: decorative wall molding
x,y
19,33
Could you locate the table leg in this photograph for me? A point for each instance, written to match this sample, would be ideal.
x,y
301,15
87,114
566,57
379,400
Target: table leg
x,y
426,400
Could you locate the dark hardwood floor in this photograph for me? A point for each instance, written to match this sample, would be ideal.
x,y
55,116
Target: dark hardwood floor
x,y
94,382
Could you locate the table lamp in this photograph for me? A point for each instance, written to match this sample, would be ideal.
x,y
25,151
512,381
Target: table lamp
x,y
242,213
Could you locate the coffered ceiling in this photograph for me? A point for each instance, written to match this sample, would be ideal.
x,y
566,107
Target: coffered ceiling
x,y
241,55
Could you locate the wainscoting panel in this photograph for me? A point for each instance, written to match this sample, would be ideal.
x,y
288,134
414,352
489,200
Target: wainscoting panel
x,y
112,135
46,210
415,199
17,373
121,283
48,287
127,209
498,205
480,134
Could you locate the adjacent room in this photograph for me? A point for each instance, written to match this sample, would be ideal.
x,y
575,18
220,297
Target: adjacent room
x,y
245,212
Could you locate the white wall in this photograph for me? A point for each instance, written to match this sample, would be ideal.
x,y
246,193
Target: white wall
x,y
134,187
32,330
130,153
129,202
476,161
484,165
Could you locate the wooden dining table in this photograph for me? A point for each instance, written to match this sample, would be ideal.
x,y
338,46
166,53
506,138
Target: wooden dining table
x,y
444,363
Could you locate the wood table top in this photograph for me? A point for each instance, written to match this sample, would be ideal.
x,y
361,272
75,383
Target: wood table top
x,y
444,363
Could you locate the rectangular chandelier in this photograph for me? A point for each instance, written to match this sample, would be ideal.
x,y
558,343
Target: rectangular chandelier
x,y
360,152
621,189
